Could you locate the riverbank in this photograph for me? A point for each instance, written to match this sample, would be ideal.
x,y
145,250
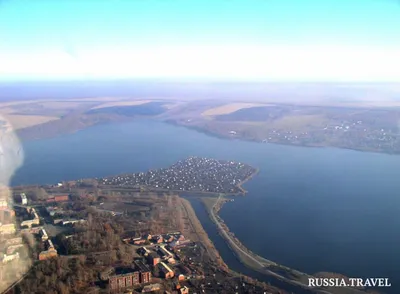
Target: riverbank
x,y
291,277
198,233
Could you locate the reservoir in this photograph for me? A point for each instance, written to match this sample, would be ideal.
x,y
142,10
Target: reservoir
x,y
312,209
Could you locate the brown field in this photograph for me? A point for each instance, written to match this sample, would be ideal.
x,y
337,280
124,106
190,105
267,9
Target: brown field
x,y
299,121
58,104
24,121
97,99
122,103
229,108
12,103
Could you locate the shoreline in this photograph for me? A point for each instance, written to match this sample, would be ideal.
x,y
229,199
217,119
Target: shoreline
x,y
318,146
246,256
262,265
27,137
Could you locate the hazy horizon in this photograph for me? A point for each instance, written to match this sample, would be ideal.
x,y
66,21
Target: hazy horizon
x,y
200,89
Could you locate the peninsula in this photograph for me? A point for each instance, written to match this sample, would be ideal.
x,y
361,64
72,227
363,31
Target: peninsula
x,y
194,174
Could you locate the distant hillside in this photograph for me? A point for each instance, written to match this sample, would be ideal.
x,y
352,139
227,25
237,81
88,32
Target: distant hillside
x,y
152,108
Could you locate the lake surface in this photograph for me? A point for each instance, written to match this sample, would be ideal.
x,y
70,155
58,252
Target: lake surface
x,y
311,209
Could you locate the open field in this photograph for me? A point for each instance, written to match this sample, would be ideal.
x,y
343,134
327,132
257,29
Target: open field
x,y
229,108
300,121
25,121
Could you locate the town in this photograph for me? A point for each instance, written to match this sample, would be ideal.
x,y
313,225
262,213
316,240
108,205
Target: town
x,y
86,237
194,174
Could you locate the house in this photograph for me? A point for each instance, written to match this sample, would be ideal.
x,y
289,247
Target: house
x,y
147,237
58,198
49,253
167,254
11,249
7,258
44,235
166,271
168,238
171,260
184,290
144,251
7,229
61,198
3,204
151,288
72,221
157,239
139,241
153,259
181,277
13,241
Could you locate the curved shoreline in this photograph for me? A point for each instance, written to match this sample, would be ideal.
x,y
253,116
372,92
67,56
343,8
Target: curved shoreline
x,y
247,257
262,265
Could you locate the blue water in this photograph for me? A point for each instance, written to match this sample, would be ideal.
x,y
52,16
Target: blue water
x,y
313,209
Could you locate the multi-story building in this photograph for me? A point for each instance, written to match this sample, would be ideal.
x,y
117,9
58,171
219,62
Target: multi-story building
x,y
124,280
145,273
58,198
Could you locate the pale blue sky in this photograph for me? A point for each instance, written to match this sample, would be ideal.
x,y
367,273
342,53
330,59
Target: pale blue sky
x,y
247,39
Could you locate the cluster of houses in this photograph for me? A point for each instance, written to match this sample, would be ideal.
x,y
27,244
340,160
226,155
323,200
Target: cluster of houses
x,y
11,247
174,240
158,256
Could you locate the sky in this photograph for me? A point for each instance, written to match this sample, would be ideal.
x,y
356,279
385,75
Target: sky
x,y
254,40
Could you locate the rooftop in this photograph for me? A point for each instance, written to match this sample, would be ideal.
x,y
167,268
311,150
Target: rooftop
x,y
142,266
